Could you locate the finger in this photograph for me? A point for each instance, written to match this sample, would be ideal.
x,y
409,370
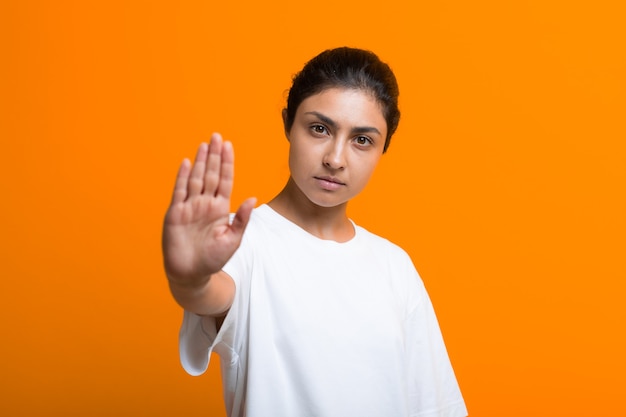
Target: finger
x,y
242,216
180,188
227,171
212,174
196,179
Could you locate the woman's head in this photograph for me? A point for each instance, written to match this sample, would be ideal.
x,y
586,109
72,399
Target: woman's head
x,y
347,68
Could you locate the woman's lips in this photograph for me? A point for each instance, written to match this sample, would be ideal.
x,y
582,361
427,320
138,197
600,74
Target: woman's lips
x,y
329,183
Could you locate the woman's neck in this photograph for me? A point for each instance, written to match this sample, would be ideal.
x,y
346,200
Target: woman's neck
x,y
329,223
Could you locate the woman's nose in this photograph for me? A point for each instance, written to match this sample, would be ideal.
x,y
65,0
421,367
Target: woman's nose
x,y
335,157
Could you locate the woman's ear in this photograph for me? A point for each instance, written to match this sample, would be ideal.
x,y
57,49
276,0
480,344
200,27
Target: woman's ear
x,y
284,115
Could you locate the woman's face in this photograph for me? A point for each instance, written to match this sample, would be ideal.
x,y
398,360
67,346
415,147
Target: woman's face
x,y
336,141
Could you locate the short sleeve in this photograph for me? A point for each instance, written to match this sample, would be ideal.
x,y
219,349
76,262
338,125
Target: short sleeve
x,y
196,340
433,388
199,335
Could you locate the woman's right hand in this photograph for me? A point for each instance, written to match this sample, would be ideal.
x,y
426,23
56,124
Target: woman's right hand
x,y
198,238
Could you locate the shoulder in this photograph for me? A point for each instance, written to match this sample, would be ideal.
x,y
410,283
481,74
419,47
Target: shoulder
x,y
401,273
265,231
388,247
265,216
260,218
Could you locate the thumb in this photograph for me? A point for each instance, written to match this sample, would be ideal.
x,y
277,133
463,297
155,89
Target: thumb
x,y
243,216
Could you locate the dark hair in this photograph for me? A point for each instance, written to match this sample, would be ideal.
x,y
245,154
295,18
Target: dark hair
x,y
346,68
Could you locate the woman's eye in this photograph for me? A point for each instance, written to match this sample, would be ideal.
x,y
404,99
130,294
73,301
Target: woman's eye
x,y
363,140
318,129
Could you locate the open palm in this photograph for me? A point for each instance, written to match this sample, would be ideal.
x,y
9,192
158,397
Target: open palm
x,y
198,238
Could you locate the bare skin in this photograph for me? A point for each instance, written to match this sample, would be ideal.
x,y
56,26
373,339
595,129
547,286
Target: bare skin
x,y
336,141
197,237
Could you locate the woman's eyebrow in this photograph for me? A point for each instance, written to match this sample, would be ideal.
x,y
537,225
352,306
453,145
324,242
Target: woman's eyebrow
x,y
330,122
365,129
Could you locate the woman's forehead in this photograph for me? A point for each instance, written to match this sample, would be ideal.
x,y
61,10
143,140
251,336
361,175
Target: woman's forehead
x,y
338,98
354,107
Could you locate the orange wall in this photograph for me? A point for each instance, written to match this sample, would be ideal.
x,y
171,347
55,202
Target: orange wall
x,y
505,183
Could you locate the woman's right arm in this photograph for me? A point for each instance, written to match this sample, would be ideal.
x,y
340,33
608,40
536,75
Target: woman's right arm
x,y
198,238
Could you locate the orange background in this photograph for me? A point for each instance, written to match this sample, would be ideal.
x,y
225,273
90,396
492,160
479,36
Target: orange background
x,y
505,182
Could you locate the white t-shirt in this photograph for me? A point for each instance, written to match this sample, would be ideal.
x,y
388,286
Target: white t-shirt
x,y
321,328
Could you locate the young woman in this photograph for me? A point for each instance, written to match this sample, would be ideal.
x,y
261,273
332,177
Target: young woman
x,y
311,314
